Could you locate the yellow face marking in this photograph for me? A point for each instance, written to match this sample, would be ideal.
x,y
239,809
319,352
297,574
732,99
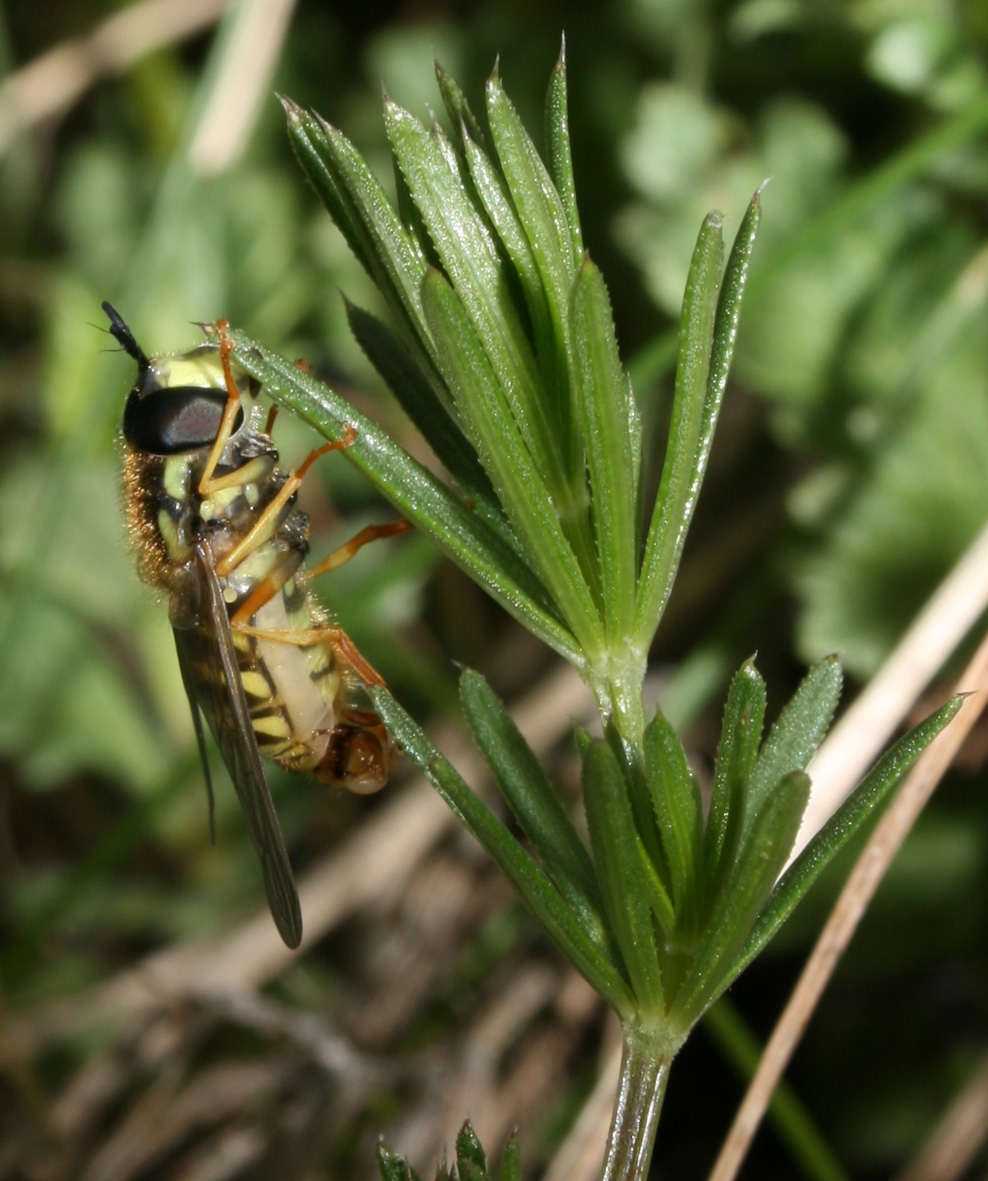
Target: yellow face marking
x,y
177,552
202,367
175,477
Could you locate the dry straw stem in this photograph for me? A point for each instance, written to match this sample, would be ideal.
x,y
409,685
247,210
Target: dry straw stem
x,y
48,86
958,1137
377,860
242,84
578,1157
860,735
851,906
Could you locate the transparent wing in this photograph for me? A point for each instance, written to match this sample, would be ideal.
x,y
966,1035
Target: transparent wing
x,y
208,661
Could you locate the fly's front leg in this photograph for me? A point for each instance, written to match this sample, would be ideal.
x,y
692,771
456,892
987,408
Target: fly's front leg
x,y
261,529
230,411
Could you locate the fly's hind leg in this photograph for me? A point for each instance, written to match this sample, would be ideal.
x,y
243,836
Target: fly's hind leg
x,y
324,634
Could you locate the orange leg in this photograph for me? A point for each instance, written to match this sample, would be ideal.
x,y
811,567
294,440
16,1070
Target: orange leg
x,y
269,425
229,411
260,531
263,593
319,635
357,542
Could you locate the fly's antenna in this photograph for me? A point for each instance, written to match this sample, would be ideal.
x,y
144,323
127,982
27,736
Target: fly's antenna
x,y
123,334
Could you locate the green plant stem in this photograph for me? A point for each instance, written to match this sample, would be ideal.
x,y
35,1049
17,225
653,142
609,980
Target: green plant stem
x,y
618,692
645,1062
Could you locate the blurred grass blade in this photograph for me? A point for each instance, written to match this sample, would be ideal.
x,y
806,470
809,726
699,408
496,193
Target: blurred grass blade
x,y
838,830
527,879
533,801
512,468
416,493
741,734
679,810
560,158
612,431
748,884
615,845
676,498
796,734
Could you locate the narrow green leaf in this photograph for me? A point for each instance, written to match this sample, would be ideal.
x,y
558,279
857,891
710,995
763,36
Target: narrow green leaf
x,y
416,493
457,107
740,736
887,773
471,1160
531,885
393,1166
559,152
658,895
410,217
501,447
533,801
615,845
536,199
417,397
684,460
728,317
393,259
762,855
470,259
543,218
511,1159
612,433
497,203
796,734
679,811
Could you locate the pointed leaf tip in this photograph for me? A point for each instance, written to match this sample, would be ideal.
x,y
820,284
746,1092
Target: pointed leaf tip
x,y
292,110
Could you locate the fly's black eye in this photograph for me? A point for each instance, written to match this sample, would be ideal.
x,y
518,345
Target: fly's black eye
x,y
170,421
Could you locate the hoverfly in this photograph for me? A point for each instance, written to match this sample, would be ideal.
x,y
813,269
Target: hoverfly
x,y
212,519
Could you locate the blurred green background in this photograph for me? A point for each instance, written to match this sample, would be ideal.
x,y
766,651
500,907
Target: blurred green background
x,y
850,472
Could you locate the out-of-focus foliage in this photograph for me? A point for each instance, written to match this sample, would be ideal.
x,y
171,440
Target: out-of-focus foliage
x,y
865,327
851,469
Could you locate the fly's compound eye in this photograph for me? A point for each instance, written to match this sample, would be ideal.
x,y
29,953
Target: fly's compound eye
x,y
168,421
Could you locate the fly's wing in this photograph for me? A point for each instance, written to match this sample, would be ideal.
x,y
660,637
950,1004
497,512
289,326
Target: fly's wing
x,y
208,661
189,681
